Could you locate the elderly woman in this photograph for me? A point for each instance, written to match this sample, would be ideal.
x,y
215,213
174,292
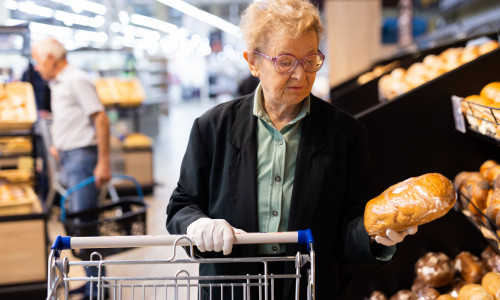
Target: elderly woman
x,y
279,159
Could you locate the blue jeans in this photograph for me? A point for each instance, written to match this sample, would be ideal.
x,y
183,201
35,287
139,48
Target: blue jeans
x,y
78,164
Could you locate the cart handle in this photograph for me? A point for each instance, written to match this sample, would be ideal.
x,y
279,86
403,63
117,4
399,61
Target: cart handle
x,y
67,242
90,180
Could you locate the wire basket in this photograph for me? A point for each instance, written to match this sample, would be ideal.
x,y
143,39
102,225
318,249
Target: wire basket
x,y
482,119
488,228
118,216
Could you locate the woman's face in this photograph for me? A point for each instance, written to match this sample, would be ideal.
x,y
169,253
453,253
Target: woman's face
x,y
289,88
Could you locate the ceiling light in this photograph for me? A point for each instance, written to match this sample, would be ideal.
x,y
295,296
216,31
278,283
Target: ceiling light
x,y
203,16
34,9
152,23
123,17
80,5
11,4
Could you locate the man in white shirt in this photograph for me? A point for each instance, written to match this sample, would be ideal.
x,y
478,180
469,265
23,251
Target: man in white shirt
x,y
80,128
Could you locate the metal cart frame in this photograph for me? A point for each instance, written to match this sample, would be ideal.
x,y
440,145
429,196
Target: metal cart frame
x,y
119,286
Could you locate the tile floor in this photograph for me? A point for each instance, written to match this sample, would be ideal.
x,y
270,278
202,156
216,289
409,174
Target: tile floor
x,y
169,148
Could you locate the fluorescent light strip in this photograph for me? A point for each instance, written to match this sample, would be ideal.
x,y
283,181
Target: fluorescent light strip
x,y
203,16
93,7
34,9
152,23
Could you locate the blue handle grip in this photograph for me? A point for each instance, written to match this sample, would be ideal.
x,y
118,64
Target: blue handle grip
x,y
90,180
305,237
62,243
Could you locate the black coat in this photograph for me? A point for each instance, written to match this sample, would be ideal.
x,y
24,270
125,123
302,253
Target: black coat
x,y
332,184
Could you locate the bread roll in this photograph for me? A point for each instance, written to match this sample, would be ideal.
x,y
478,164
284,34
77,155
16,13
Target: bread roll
x,y
415,201
491,91
469,266
470,52
377,295
404,295
474,292
435,269
493,207
491,282
486,165
475,191
460,179
492,173
488,46
490,259
426,292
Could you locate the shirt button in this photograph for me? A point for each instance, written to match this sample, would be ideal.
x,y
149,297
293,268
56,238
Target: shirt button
x,y
274,248
277,179
280,142
275,213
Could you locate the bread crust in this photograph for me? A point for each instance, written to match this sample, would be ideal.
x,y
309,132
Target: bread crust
x,y
413,202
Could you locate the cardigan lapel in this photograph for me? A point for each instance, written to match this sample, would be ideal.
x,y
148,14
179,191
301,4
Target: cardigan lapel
x,y
309,172
242,170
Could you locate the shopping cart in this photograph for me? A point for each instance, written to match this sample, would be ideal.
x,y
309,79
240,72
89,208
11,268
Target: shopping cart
x,y
261,286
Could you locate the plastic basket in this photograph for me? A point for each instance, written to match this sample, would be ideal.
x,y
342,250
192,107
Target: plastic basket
x,y
117,216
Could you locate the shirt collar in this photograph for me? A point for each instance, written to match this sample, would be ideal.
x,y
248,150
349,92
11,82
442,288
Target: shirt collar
x,y
60,75
260,112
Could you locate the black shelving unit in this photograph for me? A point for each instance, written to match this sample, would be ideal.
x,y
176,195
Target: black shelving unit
x,y
24,266
415,134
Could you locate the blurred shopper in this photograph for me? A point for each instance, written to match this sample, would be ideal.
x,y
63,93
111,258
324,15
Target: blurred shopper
x,y
80,129
279,159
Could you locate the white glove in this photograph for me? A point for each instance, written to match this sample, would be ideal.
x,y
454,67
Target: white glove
x,y
393,237
212,235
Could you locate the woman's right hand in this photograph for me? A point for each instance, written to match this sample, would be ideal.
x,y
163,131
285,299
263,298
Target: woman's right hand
x,y
212,235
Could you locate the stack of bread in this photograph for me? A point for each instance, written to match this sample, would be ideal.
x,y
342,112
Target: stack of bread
x,y
466,277
377,71
480,193
118,91
483,111
17,103
401,80
137,140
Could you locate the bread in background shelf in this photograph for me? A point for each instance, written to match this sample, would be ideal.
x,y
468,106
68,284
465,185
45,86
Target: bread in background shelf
x,y
488,46
137,140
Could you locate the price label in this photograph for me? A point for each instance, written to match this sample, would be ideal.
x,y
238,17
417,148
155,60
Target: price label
x,y
457,114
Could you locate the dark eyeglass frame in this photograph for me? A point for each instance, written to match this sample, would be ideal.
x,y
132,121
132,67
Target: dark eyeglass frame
x,y
297,61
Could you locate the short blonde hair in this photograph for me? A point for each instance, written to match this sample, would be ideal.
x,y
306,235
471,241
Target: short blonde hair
x,y
292,17
49,46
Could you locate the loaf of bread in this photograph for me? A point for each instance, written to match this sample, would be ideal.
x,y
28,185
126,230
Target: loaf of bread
x,y
404,295
491,282
415,201
474,292
470,267
435,269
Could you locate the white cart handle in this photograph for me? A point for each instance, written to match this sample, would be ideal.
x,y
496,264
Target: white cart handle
x,y
67,242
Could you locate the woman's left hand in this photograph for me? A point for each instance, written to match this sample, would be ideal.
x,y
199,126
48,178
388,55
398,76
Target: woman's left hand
x,y
393,237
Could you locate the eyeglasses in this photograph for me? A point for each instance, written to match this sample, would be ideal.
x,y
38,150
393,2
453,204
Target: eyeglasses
x,y
286,63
